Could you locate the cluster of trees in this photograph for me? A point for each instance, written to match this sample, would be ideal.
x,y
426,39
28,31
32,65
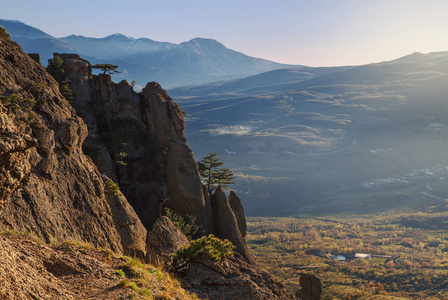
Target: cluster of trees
x,y
57,71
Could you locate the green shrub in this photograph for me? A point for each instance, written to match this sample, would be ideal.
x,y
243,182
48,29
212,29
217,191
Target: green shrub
x,y
111,188
3,33
211,246
38,88
119,158
57,72
16,100
120,273
186,224
64,88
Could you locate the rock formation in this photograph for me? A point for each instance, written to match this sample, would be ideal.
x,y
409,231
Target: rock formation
x,y
163,240
238,210
165,118
159,168
14,156
64,196
138,140
310,287
231,279
226,224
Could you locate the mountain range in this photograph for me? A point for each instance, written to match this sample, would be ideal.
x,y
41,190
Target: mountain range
x,y
318,140
196,61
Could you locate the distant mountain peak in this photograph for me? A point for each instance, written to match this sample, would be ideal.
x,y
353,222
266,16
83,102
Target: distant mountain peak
x,y
199,60
119,36
19,29
205,42
14,21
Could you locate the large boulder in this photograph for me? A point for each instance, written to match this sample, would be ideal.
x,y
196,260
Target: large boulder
x,y
231,279
310,287
164,239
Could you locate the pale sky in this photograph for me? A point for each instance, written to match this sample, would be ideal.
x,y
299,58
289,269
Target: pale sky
x,y
307,32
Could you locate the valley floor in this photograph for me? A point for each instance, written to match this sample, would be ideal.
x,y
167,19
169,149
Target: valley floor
x,y
409,253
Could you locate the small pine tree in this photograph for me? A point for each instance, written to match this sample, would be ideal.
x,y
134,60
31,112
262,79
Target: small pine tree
x,y
106,68
212,174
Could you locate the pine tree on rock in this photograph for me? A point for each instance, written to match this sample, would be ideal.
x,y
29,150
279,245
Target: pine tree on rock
x,y
212,174
106,68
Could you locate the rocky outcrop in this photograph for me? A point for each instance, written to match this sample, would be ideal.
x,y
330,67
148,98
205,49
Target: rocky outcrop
x,y
310,287
164,118
14,156
138,140
78,71
164,239
233,279
226,224
238,210
64,196
131,230
159,168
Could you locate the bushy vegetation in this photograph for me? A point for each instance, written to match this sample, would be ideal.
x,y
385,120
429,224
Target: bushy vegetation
x,y
111,188
215,248
3,33
149,282
187,224
16,101
417,267
58,73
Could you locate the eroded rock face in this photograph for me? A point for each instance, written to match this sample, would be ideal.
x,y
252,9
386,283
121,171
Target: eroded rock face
x,y
159,168
164,239
238,210
131,230
231,279
14,157
226,224
64,195
165,119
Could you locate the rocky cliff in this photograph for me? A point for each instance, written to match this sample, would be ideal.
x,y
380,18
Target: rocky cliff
x,y
138,140
51,189
40,144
